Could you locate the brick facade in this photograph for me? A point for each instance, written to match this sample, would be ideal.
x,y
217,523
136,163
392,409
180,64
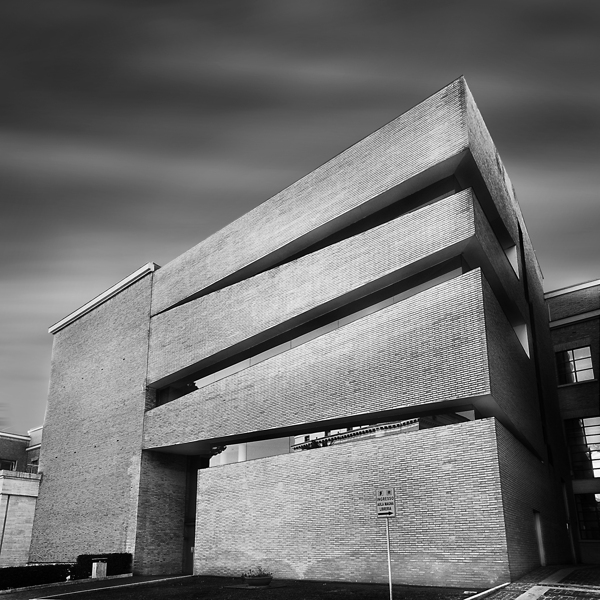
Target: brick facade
x,y
319,282
396,281
312,515
528,486
161,514
420,139
429,348
90,456
574,303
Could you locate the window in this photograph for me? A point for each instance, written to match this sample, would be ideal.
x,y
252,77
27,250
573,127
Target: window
x,y
574,365
583,438
7,465
588,515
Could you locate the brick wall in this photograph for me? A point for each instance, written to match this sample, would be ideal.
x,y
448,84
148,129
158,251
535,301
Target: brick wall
x,y
574,303
311,515
512,374
92,434
528,485
426,349
501,276
500,188
159,543
580,399
423,137
194,331
490,166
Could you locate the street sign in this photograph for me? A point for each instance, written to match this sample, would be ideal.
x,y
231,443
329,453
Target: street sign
x,y
385,499
386,502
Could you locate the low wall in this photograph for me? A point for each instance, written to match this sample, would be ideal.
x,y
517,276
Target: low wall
x,y
311,514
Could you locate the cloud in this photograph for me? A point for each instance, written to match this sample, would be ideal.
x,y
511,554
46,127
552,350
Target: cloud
x,y
131,131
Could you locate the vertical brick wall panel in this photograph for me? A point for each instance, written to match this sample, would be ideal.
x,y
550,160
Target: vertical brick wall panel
x,y
159,543
417,140
92,433
557,453
490,166
510,283
428,348
193,331
528,485
17,522
512,373
502,192
311,515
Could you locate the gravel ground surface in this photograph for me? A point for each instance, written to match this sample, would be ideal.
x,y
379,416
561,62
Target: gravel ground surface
x,y
219,588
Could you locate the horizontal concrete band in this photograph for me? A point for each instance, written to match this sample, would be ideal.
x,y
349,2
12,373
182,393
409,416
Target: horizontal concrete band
x,y
429,348
262,306
425,136
19,484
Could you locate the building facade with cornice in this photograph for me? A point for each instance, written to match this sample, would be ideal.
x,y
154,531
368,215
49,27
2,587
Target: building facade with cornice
x,y
19,487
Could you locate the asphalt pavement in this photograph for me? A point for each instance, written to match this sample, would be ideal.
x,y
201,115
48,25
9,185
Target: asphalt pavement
x,y
561,582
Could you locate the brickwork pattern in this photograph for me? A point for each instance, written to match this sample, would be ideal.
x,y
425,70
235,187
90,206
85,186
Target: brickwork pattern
x,y
502,192
159,543
528,485
311,515
16,522
419,139
194,331
580,399
90,455
425,349
555,437
509,286
512,374
490,166
574,303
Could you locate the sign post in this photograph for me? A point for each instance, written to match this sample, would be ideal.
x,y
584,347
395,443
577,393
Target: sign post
x,y
386,508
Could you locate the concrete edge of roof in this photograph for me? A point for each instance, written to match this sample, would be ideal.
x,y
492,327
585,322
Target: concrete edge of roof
x,y
572,288
100,299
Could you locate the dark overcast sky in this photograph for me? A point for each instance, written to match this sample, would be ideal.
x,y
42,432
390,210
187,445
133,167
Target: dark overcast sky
x,y
131,130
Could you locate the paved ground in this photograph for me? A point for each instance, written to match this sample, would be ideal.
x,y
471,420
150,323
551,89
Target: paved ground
x,y
72,587
548,583
554,583
222,588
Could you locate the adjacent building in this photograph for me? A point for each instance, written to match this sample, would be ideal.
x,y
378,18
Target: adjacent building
x,y
19,486
394,286
574,314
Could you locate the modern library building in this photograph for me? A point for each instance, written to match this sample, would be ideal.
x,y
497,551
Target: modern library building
x,y
379,324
